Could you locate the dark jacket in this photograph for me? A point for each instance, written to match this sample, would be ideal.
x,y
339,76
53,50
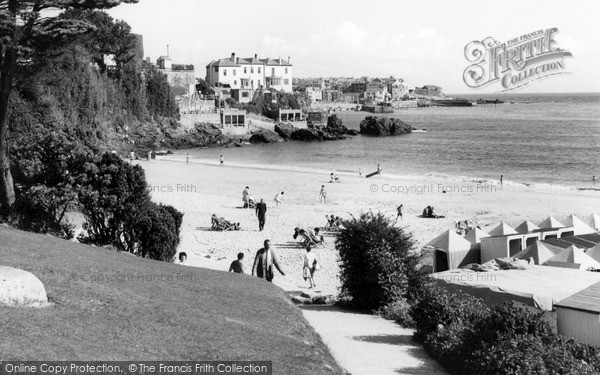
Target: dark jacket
x,y
260,265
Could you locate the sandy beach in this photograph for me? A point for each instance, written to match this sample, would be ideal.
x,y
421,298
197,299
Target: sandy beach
x,y
201,188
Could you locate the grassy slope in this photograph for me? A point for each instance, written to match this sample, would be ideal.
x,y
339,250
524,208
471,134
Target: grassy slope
x,y
216,316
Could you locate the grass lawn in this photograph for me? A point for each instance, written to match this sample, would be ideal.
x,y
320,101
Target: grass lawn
x,y
150,310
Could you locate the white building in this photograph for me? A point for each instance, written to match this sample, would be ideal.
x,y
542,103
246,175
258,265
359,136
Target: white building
x,y
315,94
250,73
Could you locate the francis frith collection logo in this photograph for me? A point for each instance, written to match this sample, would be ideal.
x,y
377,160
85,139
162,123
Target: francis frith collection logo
x,y
515,63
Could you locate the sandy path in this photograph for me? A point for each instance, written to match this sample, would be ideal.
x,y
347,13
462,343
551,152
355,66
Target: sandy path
x,y
369,344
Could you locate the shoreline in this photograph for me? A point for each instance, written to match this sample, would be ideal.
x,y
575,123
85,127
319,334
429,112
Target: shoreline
x,y
208,189
508,184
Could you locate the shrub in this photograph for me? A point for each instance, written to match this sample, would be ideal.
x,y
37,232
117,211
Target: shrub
x,y
114,190
399,311
47,167
152,231
378,264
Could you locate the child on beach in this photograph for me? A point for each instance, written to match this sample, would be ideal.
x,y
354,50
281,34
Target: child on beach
x,y
309,267
182,258
279,200
399,210
323,195
237,266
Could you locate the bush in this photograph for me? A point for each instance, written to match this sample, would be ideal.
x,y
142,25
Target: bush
x,y
152,231
399,311
378,263
47,167
116,204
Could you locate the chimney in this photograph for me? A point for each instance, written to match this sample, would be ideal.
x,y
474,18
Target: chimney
x,y
288,59
255,56
233,57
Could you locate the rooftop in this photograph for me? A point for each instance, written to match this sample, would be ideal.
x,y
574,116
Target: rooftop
x,y
586,300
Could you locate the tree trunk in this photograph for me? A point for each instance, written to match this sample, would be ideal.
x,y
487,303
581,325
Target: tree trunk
x,y
7,191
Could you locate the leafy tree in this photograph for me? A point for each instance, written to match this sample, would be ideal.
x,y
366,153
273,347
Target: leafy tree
x,y
23,24
161,101
378,262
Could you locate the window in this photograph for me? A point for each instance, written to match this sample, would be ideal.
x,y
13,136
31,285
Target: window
x,y
216,69
245,70
234,72
273,71
285,70
286,81
258,70
259,82
251,70
224,72
245,94
234,81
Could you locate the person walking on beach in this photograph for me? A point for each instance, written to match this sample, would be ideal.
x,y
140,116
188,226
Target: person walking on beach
x,y
279,200
399,210
309,267
246,197
221,160
237,266
359,173
323,195
261,212
501,179
264,261
187,158
379,169
594,178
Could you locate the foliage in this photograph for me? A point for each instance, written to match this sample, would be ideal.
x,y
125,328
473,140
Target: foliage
x,y
25,25
400,311
116,204
161,101
378,262
47,166
469,338
203,88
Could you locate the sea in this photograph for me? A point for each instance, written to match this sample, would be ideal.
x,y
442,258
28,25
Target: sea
x,y
547,141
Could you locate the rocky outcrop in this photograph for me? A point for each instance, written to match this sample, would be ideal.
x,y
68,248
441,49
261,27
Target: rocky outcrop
x,y
285,130
333,131
265,136
378,126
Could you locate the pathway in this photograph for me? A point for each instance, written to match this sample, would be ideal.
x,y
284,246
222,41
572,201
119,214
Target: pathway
x,y
369,344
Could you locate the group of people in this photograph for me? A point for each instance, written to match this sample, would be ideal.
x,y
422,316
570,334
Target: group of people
x,y
266,261
428,212
333,222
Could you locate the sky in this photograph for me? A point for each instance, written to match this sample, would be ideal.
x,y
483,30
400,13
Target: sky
x,y
422,42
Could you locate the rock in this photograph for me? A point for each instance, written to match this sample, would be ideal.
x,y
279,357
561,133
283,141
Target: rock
x,y
306,135
373,125
265,136
285,130
21,288
352,132
301,300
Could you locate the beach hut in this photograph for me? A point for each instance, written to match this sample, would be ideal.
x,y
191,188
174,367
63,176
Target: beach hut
x,y
502,229
594,221
551,228
573,257
530,232
578,316
594,252
578,225
504,241
451,251
474,237
526,227
551,223
538,251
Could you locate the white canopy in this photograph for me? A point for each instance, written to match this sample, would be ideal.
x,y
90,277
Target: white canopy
x,y
551,223
502,229
538,251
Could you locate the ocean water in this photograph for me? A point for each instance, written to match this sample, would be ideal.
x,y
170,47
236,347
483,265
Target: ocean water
x,y
537,140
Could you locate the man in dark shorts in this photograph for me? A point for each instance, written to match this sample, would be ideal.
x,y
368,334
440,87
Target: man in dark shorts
x,y
261,212
237,266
